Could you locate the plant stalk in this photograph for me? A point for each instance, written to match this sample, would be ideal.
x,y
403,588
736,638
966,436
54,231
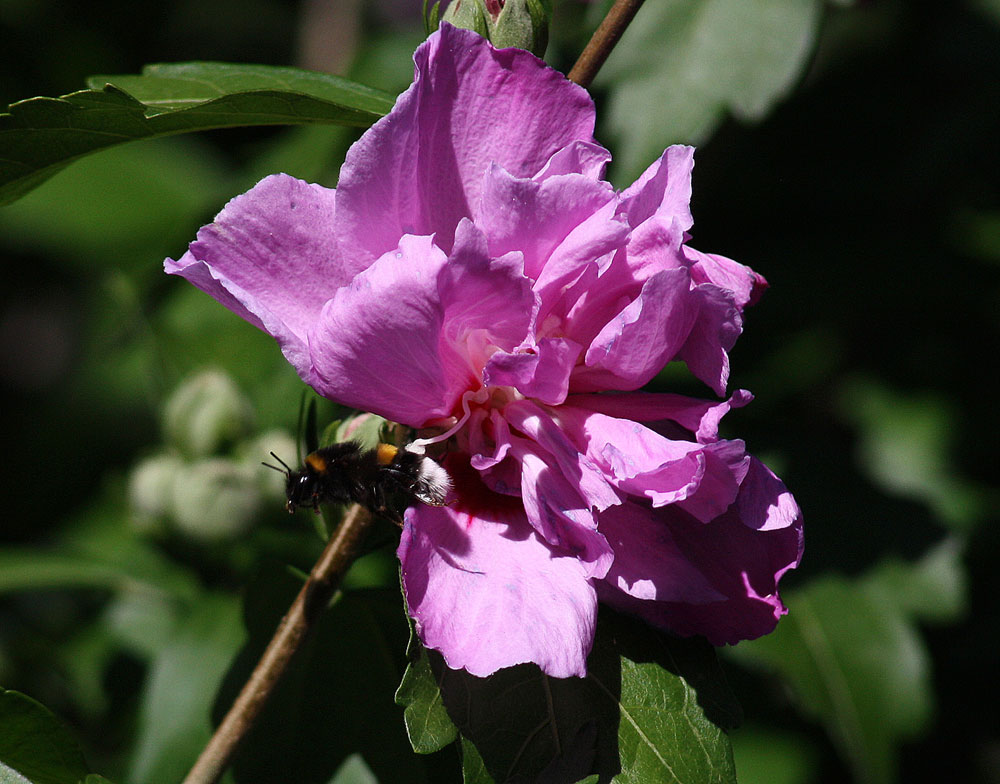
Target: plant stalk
x,y
314,597
603,41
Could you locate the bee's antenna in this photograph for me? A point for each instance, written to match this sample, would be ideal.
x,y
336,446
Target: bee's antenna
x,y
286,470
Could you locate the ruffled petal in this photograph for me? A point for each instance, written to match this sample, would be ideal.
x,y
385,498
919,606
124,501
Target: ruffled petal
x,y
746,285
648,563
764,502
742,564
557,510
488,592
272,258
636,344
542,373
535,217
577,157
700,417
375,346
547,428
664,190
420,169
718,325
488,306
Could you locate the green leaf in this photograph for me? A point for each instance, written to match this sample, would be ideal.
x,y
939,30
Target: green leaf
x,y
35,747
177,698
683,64
852,654
31,570
651,708
906,447
427,723
39,136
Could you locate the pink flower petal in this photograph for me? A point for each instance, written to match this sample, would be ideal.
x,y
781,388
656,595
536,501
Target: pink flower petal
x,y
746,285
522,214
718,324
648,563
764,502
700,417
636,344
272,258
542,374
741,563
547,428
664,189
420,169
375,346
487,592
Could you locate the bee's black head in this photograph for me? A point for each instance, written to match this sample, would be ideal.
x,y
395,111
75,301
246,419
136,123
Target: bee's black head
x,y
301,489
300,486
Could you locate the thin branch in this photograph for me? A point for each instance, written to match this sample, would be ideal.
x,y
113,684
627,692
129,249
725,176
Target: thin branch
x,y
314,597
603,41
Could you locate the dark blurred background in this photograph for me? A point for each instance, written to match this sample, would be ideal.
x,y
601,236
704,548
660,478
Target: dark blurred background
x,y
869,197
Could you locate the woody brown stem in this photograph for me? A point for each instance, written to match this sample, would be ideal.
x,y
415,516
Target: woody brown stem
x,y
314,597
603,41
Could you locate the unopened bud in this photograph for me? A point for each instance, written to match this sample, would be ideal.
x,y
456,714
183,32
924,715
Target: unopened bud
x,y
150,490
205,413
523,24
215,500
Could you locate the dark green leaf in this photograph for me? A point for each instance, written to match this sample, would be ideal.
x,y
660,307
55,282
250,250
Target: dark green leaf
x,y
177,698
853,655
35,747
651,708
41,135
683,64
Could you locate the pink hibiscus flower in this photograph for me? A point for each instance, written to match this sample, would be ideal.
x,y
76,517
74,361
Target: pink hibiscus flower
x,y
473,271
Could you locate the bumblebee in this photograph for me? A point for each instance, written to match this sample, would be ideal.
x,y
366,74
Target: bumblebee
x,y
380,479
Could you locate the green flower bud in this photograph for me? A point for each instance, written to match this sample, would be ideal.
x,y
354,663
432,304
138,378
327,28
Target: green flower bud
x,y
215,500
150,490
469,15
205,413
523,24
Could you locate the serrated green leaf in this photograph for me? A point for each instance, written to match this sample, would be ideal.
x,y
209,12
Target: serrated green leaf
x,y
651,708
852,654
683,64
35,746
41,135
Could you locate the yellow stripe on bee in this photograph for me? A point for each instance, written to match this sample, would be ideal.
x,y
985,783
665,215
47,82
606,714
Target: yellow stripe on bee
x,y
316,462
385,453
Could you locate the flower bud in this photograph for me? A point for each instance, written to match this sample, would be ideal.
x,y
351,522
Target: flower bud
x,y
150,490
523,24
204,413
215,500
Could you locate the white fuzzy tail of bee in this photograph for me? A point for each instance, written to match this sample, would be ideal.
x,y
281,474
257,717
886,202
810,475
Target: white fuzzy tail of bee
x,y
433,483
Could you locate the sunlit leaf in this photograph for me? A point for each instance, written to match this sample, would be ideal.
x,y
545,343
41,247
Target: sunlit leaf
x,y
683,65
39,136
906,444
